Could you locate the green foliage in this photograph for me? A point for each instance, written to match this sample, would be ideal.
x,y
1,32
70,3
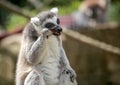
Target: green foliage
x,y
15,21
3,17
66,10
115,12
115,1
60,2
20,3
66,7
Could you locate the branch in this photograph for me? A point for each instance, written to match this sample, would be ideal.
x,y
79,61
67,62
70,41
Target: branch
x,y
109,25
6,34
38,4
88,40
12,8
100,26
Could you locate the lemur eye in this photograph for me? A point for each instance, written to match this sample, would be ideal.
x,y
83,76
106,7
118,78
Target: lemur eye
x,y
58,21
49,25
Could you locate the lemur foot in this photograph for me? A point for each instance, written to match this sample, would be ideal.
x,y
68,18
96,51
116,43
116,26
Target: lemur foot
x,y
71,73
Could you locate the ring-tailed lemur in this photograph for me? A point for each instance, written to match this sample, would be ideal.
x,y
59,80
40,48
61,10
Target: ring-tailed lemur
x,y
90,13
42,60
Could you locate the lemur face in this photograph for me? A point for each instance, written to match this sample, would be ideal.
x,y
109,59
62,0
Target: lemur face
x,y
48,20
53,25
95,11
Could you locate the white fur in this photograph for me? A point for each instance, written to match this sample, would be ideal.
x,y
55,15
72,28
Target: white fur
x,y
34,20
50,61
54,10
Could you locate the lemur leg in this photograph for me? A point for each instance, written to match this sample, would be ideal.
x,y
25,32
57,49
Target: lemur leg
x,y
68,75
35,48
34,78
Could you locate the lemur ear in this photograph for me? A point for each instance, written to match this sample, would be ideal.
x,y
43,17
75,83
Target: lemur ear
x,y
35,20
54,10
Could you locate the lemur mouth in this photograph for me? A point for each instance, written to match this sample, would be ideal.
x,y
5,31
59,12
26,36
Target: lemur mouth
x,y
56,30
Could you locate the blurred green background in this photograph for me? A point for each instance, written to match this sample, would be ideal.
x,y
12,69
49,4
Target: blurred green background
x,y
92,65
9,20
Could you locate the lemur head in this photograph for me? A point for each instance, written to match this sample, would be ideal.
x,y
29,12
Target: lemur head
x,y
94,8
47,19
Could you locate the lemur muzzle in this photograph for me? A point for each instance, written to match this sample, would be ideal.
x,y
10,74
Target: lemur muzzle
x,y
56,30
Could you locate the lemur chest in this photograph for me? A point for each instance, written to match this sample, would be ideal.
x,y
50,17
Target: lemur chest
x,y
50,63
52,48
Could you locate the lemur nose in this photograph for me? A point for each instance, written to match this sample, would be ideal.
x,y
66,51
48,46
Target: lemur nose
x,y
60,29
57,28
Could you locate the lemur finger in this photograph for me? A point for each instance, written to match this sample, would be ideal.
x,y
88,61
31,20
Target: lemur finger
x,y
46,32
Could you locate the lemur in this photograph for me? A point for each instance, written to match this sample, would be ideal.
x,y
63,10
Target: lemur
x,y
42,59
90,13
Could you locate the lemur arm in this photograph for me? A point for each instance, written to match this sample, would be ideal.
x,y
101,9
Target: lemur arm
x,y
34,50
64,60
34,44
66,65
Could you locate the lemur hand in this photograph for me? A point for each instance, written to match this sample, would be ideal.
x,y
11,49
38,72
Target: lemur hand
x,y
46,32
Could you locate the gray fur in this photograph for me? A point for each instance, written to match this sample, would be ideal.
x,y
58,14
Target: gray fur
x,y
42,60
90,15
